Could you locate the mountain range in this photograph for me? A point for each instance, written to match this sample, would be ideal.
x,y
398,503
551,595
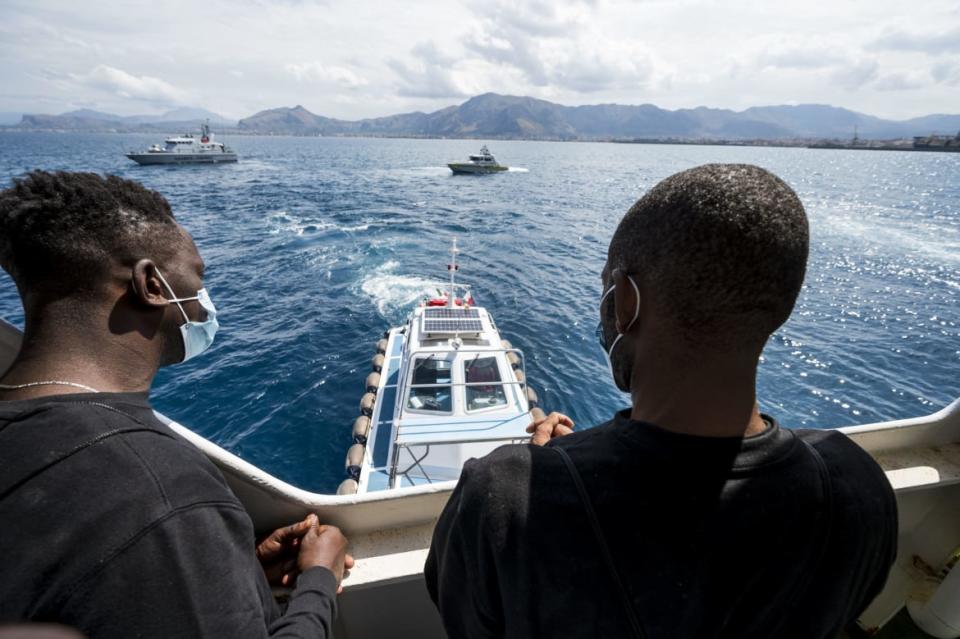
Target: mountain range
x,y
514,117
88,120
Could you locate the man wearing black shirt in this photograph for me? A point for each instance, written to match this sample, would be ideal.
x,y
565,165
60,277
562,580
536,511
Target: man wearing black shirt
x,y
112,523
690,514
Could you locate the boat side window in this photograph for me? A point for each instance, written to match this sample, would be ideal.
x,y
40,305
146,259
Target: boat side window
x,y
431,386
483,383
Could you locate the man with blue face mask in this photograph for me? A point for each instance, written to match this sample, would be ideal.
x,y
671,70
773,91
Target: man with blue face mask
x,y
112,523
690,514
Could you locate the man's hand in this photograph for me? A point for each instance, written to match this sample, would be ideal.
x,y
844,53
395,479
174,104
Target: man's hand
x,y
324,546
278,552
553,425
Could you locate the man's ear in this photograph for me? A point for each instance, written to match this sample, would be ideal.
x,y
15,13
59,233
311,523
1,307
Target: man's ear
x,y
147,286
625,302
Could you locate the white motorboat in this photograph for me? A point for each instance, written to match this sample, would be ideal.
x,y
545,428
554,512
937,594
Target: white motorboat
x,y
186,149
445,387
483,162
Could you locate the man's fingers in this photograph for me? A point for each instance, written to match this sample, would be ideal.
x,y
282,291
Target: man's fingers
x,y
348,561
553,419
554,425
298,529
542,434
289,534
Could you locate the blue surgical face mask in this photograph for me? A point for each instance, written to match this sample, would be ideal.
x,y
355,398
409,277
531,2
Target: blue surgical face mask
x,y
602,338
197,336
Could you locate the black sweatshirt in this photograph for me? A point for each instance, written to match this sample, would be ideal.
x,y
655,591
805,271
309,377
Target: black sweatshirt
x,y
113,524
728,538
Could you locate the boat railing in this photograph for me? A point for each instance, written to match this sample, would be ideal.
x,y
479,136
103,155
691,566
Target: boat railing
x,y
406,385
405,473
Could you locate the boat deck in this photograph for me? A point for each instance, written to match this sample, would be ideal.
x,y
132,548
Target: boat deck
x,y
383,414
921,466
900,627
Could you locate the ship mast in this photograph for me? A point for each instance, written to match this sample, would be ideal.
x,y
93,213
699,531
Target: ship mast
x,y
452,267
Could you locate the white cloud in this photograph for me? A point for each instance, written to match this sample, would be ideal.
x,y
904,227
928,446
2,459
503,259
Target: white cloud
x,y
902,81
856,74
319,72
367,58
428,76
792,56
946,73
558,45
143,88
928,40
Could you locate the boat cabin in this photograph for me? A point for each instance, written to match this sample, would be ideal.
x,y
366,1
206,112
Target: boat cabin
x,y
484,157
450,389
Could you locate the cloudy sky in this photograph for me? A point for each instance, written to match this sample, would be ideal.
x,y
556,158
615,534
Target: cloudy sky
x,y
365,58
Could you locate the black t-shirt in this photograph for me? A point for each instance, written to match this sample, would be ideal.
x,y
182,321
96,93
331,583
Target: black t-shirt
x,y
113,524
733,538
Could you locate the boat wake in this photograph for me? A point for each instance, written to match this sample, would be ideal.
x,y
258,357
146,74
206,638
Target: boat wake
x,y
283,222
394,295
517,169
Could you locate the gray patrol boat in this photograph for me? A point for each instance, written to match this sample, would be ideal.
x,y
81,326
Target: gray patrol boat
x,y
186,149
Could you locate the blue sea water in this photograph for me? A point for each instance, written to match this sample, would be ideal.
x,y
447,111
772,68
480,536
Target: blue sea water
x,y
315,246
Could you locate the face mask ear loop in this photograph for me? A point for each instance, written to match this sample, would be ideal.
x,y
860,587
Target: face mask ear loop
x,y
174,296
636,312
600,305
608,291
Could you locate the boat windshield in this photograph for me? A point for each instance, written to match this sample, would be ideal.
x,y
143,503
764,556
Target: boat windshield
x,y
431,386
482,377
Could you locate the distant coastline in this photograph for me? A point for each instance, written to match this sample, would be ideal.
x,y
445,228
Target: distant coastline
x,y
835,144
498,117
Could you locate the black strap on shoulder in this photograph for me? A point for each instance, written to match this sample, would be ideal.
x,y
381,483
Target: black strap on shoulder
x,y
826,531
635,627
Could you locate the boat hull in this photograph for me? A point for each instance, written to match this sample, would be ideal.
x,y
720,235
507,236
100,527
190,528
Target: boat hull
x,y
476,169
182,158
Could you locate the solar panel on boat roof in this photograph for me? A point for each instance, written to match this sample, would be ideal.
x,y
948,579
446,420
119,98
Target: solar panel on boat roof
x,y
452,320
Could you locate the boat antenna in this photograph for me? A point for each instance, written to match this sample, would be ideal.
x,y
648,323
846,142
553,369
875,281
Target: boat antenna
x,y
452,267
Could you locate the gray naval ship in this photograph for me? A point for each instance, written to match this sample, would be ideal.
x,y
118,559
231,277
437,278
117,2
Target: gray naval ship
x,y
483,162
186,149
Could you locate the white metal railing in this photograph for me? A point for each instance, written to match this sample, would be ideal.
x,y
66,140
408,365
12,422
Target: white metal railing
x,y
395,473
406,385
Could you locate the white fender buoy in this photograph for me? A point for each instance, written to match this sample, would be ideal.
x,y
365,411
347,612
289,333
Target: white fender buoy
x,y
514,359
354,460
366,403
519,375
382,347
348,487
532,398
537,414
505,344
361,429
373,382
377,363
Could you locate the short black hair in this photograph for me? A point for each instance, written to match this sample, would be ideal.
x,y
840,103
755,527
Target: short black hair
x,y
62,231
724,245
